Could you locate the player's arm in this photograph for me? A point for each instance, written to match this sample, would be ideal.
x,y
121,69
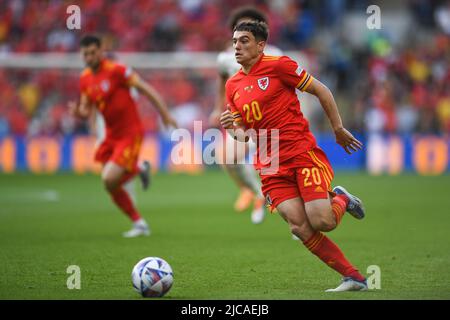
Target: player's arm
x,y
343,137
154,97
92,121
82,109
230,121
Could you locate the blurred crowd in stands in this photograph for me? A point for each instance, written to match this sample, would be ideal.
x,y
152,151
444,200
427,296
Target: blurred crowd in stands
x,y
382,84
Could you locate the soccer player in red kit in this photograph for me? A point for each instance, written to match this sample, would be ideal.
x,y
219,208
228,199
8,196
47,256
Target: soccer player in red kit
x,y
262,96
106,85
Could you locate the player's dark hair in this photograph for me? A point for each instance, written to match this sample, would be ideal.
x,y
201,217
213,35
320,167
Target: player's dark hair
x,y
246,12
89,39
259,29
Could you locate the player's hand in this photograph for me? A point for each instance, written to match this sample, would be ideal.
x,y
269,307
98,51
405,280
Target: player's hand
x,y
73,108
169,121
347,141
214,118
227,119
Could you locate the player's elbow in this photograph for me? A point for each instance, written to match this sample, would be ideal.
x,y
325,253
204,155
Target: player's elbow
x,y
323,92
319,90
147,89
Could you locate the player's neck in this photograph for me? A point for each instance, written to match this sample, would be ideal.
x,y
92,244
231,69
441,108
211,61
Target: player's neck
x,y
97,67
247,67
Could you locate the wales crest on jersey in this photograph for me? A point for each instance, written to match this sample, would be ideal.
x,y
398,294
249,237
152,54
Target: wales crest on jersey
x,y
263,83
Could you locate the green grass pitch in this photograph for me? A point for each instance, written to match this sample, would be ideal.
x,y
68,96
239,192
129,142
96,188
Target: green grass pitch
x,y
50,222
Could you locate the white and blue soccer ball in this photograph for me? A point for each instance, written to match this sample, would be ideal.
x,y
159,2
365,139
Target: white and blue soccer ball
x,y
152,277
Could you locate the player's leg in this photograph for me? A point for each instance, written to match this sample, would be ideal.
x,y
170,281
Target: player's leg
x,y
294,213
325,212
129,184
121,168
130,188
142,170
114,177
100,129
145,174
128,181
246,178
320,215
252,179
354,204
237,173
246,196
325,209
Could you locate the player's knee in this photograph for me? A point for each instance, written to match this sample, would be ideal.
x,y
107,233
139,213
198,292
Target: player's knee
x,y
109,183
324,221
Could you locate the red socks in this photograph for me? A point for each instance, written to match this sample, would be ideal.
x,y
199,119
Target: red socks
x,y
329,252
123,201
339,206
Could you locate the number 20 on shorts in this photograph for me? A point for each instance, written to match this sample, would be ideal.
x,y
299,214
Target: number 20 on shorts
x,y
311,175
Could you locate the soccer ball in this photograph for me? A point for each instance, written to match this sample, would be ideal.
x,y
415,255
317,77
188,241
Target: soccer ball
x,y
152,277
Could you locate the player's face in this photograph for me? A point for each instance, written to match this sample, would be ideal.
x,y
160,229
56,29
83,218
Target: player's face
x,y
92,55
246,48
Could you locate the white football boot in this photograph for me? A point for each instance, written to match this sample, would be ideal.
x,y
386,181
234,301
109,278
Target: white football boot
x,y
259,211
140,228
350,284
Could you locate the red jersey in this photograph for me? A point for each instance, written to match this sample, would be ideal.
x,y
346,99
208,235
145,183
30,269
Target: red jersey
x,y
266,98
109,90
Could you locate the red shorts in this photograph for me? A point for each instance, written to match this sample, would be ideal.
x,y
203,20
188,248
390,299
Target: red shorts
x,y
307,176
124,152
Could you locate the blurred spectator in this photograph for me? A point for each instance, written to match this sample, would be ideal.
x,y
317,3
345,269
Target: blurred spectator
x,y
442,16
298,28
407,117
423,11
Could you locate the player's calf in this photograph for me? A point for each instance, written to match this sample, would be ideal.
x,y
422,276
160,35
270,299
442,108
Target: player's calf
x,y
325,223
320,215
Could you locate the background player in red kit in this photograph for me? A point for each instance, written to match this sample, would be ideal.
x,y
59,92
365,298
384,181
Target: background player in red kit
x,y
262,95
106,85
